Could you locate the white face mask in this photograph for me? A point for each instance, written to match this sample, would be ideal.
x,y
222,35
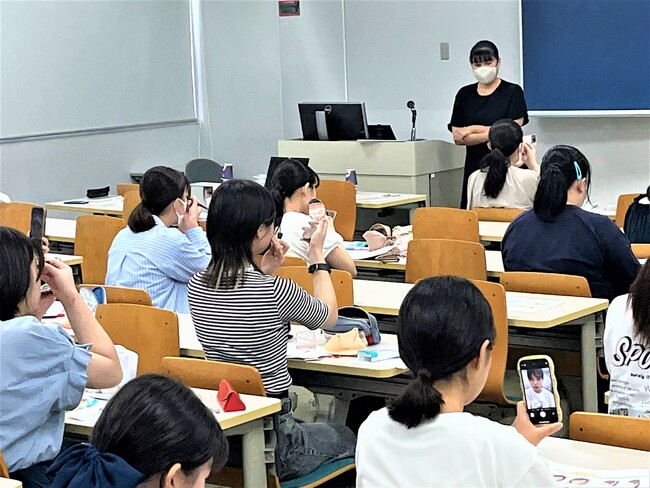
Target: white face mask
x,y
180,216
485,74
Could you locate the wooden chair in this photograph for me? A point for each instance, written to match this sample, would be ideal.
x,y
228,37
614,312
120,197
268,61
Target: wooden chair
x,y
340,196
622,204
434,257
16,215
4,469
149,331
93,239
294,261
131,200
641,251
611,430
122,188
546,283
494,391
495,214
342,281
122,294
445,223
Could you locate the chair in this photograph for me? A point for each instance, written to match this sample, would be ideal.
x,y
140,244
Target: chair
x,y
122,188
149,331
622,204
131,200
445,223
294,261
434,257
340,196
641,251
4,469
122,294
495,214
494,391
546,283
342,281
611,430
93,239
16,215
203,170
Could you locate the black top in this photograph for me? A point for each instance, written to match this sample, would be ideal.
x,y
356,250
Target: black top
x,y
470,108
577,242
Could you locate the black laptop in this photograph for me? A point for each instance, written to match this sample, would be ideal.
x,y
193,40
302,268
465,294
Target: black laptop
x,y
382,132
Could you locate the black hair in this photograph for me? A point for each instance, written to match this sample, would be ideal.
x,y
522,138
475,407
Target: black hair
x,y
154,422
639,301
535,373
505,135
557,174
442,324
290,175
17,251
237,210
483,52
159,187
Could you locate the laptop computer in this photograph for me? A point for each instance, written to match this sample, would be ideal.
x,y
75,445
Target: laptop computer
x,y
382,132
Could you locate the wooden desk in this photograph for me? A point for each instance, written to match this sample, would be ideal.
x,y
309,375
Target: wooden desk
x,y
68,259
248,424
60,230
593,456
492,231
113,205
376,200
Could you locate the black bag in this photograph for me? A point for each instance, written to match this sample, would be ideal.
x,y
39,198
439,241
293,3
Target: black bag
x,y
637,222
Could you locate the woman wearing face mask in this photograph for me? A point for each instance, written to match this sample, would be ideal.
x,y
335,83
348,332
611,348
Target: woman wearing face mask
x,y
479,105
149,253
557,236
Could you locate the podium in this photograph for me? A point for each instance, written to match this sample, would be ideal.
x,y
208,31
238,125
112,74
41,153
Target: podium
x,y
432,168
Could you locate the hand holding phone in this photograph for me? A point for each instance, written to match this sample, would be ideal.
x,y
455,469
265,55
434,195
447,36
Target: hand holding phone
x,y
539,388
317,212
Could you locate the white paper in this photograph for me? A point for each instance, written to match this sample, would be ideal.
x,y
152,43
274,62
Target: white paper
x,y
529,305
306,351
88,414
571,476
366,254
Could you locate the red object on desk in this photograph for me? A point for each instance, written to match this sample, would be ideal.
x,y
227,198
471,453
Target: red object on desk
x,y
228,398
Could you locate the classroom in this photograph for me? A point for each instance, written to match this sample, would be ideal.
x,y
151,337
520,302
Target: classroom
x,y
125,93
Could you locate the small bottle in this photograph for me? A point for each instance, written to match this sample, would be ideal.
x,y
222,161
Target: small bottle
x,y
227,173
351,176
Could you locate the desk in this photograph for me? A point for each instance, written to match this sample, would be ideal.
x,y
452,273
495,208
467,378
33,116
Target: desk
x,y
592,456
376,200
492,231
7,483
60,230
68,259
113,205
248,424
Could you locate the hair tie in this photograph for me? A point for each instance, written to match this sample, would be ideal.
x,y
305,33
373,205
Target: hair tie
x,y
424,375
578,171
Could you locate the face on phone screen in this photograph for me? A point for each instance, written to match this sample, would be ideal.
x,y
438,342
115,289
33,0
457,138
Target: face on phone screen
x,y
538,391
37,227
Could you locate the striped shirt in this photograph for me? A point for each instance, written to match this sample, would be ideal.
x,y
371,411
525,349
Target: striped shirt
x,y
160,260
250,324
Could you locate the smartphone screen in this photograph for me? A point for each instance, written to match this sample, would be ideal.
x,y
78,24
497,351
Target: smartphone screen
x,y
530,139
539,385
37,228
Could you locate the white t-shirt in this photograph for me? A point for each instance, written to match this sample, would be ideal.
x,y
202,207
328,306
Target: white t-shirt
x,y
292,230
454,449
543,399
518,191
628,363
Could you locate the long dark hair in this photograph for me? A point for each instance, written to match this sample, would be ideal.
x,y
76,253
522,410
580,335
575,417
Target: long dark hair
x,y
17,252
290,175
483,52
159,187
442,324
557,174
639,301
154,422
237,210
505,136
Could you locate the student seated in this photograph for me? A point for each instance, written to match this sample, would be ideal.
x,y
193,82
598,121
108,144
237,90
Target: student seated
x,y
154,433
423,438
557,236
149,253
242,315
293,185
637,219
42,372
627,349
499,182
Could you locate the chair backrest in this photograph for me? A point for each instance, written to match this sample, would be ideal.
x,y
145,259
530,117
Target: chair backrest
x,y
340,196
434,257
16,215
294,261
611,430
122,188
546,283
641,251
493,391
131,200
203,373
93,239
203,170
149,331
342,281
622,204
123,294
445,223
495,214
4,469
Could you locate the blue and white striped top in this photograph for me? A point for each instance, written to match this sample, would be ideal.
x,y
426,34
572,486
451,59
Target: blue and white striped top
x,y
161,260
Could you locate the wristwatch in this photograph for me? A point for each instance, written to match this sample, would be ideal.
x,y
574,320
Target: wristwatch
x,y
319,267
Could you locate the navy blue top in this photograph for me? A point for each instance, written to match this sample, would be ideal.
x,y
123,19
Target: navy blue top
x,y
577,242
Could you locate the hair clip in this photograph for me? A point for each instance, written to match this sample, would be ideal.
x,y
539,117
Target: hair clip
x,y
578,171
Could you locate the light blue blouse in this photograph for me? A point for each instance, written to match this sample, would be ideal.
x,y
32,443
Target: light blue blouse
x,y
161,260
42,374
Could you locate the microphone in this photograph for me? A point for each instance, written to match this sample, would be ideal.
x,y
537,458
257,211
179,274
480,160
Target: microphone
x,y
411,104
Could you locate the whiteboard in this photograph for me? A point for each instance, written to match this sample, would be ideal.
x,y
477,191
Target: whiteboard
x,y
69,66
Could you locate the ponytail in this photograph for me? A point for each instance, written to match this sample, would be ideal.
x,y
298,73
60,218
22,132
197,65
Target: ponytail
x,y
278,201
141,219
496,164
290,176
419,402
505,136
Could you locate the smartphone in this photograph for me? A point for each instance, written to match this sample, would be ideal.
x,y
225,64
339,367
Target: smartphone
x,y
539,389
37,227
530,139
331,213
317,213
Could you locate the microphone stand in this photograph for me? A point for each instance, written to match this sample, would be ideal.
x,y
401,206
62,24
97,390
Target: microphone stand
x,y
414,114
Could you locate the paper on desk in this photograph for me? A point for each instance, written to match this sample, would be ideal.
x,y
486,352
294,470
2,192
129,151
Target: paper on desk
x,y
570,476
529,305
355,245
88,414
375,197
55,310
365,254
306,353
